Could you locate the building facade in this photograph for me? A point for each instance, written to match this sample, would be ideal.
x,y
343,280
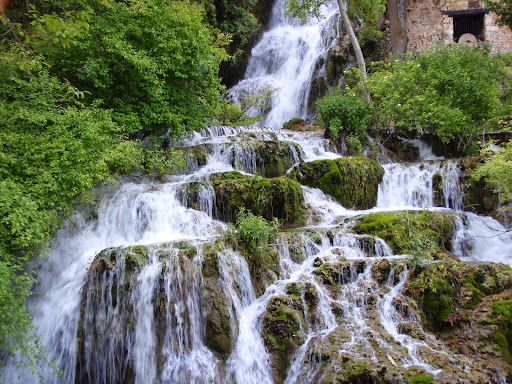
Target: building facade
x,y
454,21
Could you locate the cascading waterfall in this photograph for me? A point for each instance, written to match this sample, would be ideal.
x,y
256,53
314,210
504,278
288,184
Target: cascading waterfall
x,y
283,61
411,186
131,292
481,238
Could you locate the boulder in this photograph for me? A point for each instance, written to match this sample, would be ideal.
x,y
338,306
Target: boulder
x,y
353,182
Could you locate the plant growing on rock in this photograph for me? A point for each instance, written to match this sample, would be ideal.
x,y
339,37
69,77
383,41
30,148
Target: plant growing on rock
x,y
424,93
254,232
497,171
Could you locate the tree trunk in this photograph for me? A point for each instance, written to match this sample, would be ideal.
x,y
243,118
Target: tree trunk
x,y
355,45
398,27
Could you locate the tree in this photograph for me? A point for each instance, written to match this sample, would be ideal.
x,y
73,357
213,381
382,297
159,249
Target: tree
x,y
503,8
365,10
153,63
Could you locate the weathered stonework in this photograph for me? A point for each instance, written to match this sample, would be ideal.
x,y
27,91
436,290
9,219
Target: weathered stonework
x,y
427,22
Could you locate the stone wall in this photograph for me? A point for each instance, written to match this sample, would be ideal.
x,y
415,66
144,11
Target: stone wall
x,y
427,24
499,37
424,23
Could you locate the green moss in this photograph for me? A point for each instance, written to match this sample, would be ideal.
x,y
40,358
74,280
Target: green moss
x,y
324,273
224,176
353,182
434,287
502,317
399,229
186,248
283,324
477,295
355,371
278,197
421,379
442,289
294,124
504,346
437,189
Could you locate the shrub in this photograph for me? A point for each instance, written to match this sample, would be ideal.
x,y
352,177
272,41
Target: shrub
x,y
448,91
338,112
497,172
254,232
354,144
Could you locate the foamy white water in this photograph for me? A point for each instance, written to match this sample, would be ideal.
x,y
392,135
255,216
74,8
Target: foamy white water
x,y
284,60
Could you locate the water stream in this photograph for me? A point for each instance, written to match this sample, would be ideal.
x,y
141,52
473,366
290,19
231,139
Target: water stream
x,y
138,312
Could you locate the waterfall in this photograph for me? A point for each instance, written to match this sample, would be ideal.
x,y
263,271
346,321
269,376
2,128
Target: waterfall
x,y
284,61
144,289
411,186
481,238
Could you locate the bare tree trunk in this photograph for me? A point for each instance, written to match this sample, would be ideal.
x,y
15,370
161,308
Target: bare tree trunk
x,y
398,27
355,45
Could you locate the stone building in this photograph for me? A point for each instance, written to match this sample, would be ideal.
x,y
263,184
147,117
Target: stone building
x,y
419,23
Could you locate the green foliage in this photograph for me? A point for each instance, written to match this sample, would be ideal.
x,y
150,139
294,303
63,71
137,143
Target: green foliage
x,y
503,8
58,140
435,291
242,114
364,12
344,112
235,19
254,232
354,145
153,63
426,93
497,171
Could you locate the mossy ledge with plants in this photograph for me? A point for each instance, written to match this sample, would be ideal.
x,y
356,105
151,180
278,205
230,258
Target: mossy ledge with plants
x,y
353,182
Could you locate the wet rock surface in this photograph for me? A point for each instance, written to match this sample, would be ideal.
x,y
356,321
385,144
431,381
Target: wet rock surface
x,y
353,182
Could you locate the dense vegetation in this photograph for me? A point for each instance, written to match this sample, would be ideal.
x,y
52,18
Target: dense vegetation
x,y
80,81
451,93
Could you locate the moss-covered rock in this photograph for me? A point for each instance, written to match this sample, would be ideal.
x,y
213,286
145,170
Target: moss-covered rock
x,y
437,189
215,304
294,124
274,158
421,379
353,182
109,302
501,316
196,156
265,270
400,229
269,158
340,272
447,291
279,197
283,326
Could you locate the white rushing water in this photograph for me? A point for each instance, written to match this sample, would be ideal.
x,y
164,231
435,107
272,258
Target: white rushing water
x,y
482,238
284,61
411,186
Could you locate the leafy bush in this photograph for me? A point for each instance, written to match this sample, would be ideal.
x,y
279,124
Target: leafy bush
x,y
254,232
338,112
153,63
448,91
354,145
497,170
